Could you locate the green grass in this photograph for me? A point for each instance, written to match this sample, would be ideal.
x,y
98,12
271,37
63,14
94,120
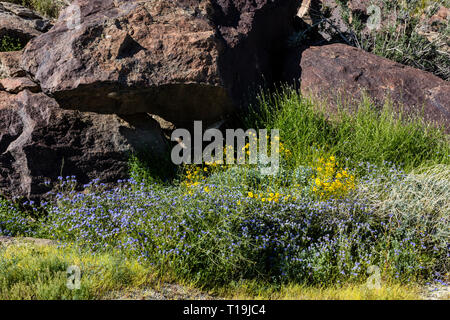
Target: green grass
x,y
382,137
32,272
262,291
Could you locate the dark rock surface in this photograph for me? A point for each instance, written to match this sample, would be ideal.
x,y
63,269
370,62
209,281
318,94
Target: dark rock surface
x,y
181,60
20,23
339,73
40,142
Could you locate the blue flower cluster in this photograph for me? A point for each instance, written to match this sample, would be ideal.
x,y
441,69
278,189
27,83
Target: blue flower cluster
x,y
216,233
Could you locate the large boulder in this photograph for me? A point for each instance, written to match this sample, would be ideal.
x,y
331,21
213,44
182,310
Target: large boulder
x,y
181,60
39,142
340,73
21,24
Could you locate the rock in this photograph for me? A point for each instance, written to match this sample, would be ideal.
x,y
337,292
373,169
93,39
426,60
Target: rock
x,y
20,23
16,85
304,8
181,60
339,72
40,141
10,64
19,10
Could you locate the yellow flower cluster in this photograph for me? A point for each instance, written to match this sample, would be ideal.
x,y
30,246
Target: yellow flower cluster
x,y
283,150
270,197
331,181
196,176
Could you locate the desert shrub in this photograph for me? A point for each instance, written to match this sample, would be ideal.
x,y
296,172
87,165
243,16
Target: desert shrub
x,y
233,225
418,205
14,221
220,224
401,40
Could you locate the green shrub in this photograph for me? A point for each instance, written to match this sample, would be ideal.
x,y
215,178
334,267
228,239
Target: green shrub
x,y
10,44
222,225
401,41
14,221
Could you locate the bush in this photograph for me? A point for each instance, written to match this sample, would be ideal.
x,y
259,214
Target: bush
x,y
14,221
246,229
418,204
402,42
218,225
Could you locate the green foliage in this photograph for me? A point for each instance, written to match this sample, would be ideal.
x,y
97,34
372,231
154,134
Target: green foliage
x,y
222,225
400,40
14,221
147,167
10,44
40,273
381,137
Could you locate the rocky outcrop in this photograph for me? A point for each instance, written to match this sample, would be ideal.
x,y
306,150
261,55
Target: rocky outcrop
x,y
16,85
39,142
10,64
20,23
181,60
339,73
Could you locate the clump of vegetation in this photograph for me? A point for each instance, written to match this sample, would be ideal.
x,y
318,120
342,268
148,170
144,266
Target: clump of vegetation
x,y
10,44
353,193
401,40
48,8
332,181
383,137
14,221
218,224
41,273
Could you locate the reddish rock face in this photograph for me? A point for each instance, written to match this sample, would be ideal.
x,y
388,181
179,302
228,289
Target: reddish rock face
x,y
40,141
340,72
10,64
182,60
16,85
